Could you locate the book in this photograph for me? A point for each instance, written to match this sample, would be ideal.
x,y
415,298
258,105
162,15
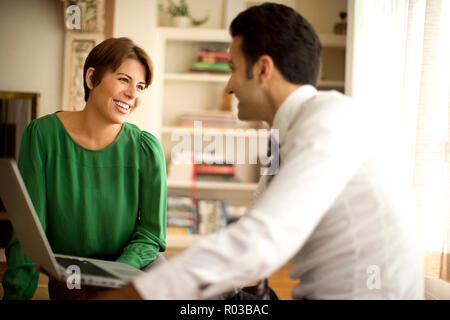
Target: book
x,y
181,214
211,61
215,169
220,120
212,216
217,178
213,57
179,230
210,67
215,54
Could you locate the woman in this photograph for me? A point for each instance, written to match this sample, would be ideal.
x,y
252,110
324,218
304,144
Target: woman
x,y
97,182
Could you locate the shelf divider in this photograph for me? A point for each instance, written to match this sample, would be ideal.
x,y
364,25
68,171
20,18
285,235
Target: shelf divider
x,y
206,185
202,77
182,241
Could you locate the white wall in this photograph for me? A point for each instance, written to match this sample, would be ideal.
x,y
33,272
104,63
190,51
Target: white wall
x,y
31,51
137,20
215,9
199,9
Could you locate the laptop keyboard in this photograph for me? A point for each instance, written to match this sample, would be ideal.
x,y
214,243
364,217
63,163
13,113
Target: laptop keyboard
x,y
85,267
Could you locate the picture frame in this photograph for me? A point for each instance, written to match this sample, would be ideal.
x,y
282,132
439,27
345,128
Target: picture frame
x,y
17,110
91,15
76,48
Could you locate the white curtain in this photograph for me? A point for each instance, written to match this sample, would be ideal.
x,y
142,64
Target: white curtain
x,y
398,66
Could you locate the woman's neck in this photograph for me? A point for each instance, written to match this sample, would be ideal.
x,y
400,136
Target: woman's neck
x,y
90,129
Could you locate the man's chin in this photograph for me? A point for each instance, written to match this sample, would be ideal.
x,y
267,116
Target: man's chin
x,y
246,117
242,116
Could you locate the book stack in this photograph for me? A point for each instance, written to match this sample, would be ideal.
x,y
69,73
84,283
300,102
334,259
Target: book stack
x,y
207,217
211,61
212,216
212,168
215,172
217,120
181,216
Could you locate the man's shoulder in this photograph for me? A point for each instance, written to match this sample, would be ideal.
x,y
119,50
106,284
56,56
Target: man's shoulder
x,y
328,105
329,112
331,98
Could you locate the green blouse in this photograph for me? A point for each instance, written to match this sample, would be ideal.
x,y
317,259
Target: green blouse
x,y
105,204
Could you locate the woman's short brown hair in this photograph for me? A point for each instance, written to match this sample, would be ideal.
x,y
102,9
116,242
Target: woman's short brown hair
x,y
109,55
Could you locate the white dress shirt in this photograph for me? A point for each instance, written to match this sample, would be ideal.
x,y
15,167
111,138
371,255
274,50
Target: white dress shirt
x,y
349,225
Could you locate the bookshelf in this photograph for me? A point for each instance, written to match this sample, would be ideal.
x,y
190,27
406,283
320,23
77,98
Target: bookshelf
x,y
180,91
223,186
168,130
233,193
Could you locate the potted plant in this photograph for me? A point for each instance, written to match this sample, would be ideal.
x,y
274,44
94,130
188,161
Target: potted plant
x,y
181,16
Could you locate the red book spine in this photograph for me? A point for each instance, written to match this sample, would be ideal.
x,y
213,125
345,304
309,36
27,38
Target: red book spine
x,y
215,169
213,54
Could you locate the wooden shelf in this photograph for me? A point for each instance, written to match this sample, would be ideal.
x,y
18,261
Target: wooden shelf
x,y
200,77
331,83
204,77
333,40
240,194
239,132
182,241
206,185
222,35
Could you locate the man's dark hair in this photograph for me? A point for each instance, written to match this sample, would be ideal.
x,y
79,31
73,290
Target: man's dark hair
x,y
284,35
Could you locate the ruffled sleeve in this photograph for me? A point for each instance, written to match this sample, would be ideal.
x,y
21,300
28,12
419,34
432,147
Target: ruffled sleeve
x,y
149,237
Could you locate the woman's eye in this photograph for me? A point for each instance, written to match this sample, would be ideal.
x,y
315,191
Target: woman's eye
x,y
140,87
124,80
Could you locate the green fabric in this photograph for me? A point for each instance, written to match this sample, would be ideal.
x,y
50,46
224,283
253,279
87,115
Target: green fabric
x,y
106,204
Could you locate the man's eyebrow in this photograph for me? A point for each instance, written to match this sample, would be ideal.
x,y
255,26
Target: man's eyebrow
x,y
130,77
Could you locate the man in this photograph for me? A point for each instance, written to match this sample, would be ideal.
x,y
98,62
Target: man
x,y
348,226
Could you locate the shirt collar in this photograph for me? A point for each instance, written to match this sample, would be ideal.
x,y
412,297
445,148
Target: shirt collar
x,y
285,114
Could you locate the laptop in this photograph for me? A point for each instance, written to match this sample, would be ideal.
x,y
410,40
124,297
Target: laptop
x,y
36,247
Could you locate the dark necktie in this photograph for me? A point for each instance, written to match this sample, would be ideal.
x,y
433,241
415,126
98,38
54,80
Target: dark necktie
x,y
262,287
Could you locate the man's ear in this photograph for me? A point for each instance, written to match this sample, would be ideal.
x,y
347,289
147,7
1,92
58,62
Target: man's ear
x,y
90,78
264,68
